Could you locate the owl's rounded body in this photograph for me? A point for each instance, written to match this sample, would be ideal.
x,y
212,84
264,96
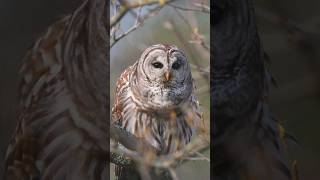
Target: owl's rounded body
x,y
155,100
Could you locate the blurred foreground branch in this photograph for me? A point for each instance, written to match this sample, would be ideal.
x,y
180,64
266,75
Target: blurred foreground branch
x,y
128,150
148,157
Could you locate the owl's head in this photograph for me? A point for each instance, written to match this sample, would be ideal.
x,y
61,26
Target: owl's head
x,y
164,76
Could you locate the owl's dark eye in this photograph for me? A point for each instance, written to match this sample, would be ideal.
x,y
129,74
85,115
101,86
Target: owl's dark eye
x,y
157,65
176,65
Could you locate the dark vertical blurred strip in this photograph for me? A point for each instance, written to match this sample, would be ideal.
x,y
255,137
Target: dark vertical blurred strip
x,y
22,22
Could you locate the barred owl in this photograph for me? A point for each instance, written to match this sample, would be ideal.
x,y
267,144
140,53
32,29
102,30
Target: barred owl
x,y
62,128
155,99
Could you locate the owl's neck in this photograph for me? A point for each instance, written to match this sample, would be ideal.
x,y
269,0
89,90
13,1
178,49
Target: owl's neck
x,y
146,105
154,99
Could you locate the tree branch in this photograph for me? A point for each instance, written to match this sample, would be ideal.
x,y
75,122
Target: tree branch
x,y
202,10
128,5
139,22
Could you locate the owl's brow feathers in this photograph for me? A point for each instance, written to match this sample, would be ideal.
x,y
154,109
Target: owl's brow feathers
x,y
169,49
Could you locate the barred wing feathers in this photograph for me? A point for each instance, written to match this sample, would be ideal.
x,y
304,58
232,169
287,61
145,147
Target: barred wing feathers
x,y
56,137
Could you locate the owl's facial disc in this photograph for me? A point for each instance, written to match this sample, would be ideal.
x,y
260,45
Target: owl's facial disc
x,y
165,68
178,67
167,77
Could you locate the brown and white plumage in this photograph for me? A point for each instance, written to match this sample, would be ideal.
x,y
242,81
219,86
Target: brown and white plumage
x,y
62,132
155,99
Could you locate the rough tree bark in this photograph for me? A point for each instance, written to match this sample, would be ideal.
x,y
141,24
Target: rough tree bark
x,y
248,143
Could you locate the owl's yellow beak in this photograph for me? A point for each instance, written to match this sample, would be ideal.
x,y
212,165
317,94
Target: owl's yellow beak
x,y
167,76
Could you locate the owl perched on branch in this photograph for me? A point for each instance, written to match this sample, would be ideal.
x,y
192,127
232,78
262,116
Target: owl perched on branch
x,y
155,100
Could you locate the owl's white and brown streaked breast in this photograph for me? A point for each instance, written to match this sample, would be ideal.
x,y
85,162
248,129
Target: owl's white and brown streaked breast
x,y
130,113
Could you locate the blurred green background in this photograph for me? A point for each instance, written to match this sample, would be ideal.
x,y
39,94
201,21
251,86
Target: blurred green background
x,y
168,27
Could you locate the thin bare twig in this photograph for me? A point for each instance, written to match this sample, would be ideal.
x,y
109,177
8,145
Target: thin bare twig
x,y
203,6
139,22
128,5
204,10
196,64
173,174
129,140
168,160
203,156
197,37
